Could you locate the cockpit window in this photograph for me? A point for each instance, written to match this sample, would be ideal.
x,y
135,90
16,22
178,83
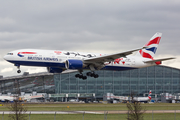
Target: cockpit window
x,y
10,54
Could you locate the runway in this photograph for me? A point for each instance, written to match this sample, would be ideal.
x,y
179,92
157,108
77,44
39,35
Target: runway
x,y
91,112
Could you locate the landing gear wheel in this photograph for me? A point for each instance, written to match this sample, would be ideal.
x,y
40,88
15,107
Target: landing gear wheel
x,y
84,77
19,71
88,73
77,75
80,76
96,76
92,74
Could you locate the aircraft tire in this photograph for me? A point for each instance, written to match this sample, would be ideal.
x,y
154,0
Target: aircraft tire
x,y
19,71
77,75
96,76
88,73
84,77
80,76
92,74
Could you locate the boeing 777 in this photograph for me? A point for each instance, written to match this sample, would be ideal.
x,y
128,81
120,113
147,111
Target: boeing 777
x,y
58,61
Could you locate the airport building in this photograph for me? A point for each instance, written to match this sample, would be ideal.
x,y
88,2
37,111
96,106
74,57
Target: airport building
x,y
158,79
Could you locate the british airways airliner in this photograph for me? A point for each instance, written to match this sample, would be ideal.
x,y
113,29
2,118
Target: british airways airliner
x,y
143,99
58,61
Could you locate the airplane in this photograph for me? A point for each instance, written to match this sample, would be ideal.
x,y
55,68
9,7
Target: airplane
x,y
143,99
126,98
12,98
57,61
7,98
30,97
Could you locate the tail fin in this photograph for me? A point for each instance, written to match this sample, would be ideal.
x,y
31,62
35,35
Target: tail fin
x,y
152,45
149,96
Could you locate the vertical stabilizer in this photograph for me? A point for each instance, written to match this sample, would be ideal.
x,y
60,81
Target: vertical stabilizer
x,y
149,96
152,45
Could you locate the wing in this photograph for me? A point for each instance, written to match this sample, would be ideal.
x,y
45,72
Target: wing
x,y
69,71
109,58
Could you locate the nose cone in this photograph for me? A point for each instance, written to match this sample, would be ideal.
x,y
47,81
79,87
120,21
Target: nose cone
x,y
8,57
5,57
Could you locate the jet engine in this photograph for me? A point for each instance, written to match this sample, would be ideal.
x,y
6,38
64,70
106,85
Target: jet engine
x,y
74,64
54,70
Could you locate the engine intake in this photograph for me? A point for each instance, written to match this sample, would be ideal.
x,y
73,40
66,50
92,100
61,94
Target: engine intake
x,y
74,64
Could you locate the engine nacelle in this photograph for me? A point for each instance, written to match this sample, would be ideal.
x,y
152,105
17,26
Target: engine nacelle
x,y
54,70
74,64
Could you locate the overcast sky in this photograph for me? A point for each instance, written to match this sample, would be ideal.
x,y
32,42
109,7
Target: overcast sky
x,y
99,26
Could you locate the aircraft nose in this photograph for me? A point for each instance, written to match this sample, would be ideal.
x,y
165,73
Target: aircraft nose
x,y
5,57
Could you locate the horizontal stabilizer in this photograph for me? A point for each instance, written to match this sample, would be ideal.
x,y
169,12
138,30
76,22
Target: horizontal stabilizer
x,y
158,60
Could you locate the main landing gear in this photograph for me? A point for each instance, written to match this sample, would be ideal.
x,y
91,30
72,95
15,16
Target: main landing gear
x,y
90,74
81,76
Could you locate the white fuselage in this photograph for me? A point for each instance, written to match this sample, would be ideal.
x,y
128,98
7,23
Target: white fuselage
x,y
141,99
6,98
56,58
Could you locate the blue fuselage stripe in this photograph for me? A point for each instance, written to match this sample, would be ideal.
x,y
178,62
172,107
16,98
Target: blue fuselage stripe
x,y
62,65
39,64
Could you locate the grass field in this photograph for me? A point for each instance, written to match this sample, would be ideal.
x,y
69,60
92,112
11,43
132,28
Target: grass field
x,y
94,107
99,117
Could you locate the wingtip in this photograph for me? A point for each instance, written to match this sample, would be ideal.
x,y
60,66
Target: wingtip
x,y
173,57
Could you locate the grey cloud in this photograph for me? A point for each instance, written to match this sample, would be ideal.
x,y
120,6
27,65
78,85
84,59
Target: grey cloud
x,y
100,25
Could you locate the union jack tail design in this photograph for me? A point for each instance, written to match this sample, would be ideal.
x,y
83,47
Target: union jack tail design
x,y
152,45
149,96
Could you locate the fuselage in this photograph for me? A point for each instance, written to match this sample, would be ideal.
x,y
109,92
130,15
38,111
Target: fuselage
x,y
57,58
6,98
141,99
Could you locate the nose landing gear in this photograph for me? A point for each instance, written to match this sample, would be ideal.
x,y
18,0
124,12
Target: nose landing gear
x,y
18,67
18,71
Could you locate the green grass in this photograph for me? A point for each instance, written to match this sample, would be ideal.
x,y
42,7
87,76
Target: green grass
x,y
93,107
170,116
96,107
